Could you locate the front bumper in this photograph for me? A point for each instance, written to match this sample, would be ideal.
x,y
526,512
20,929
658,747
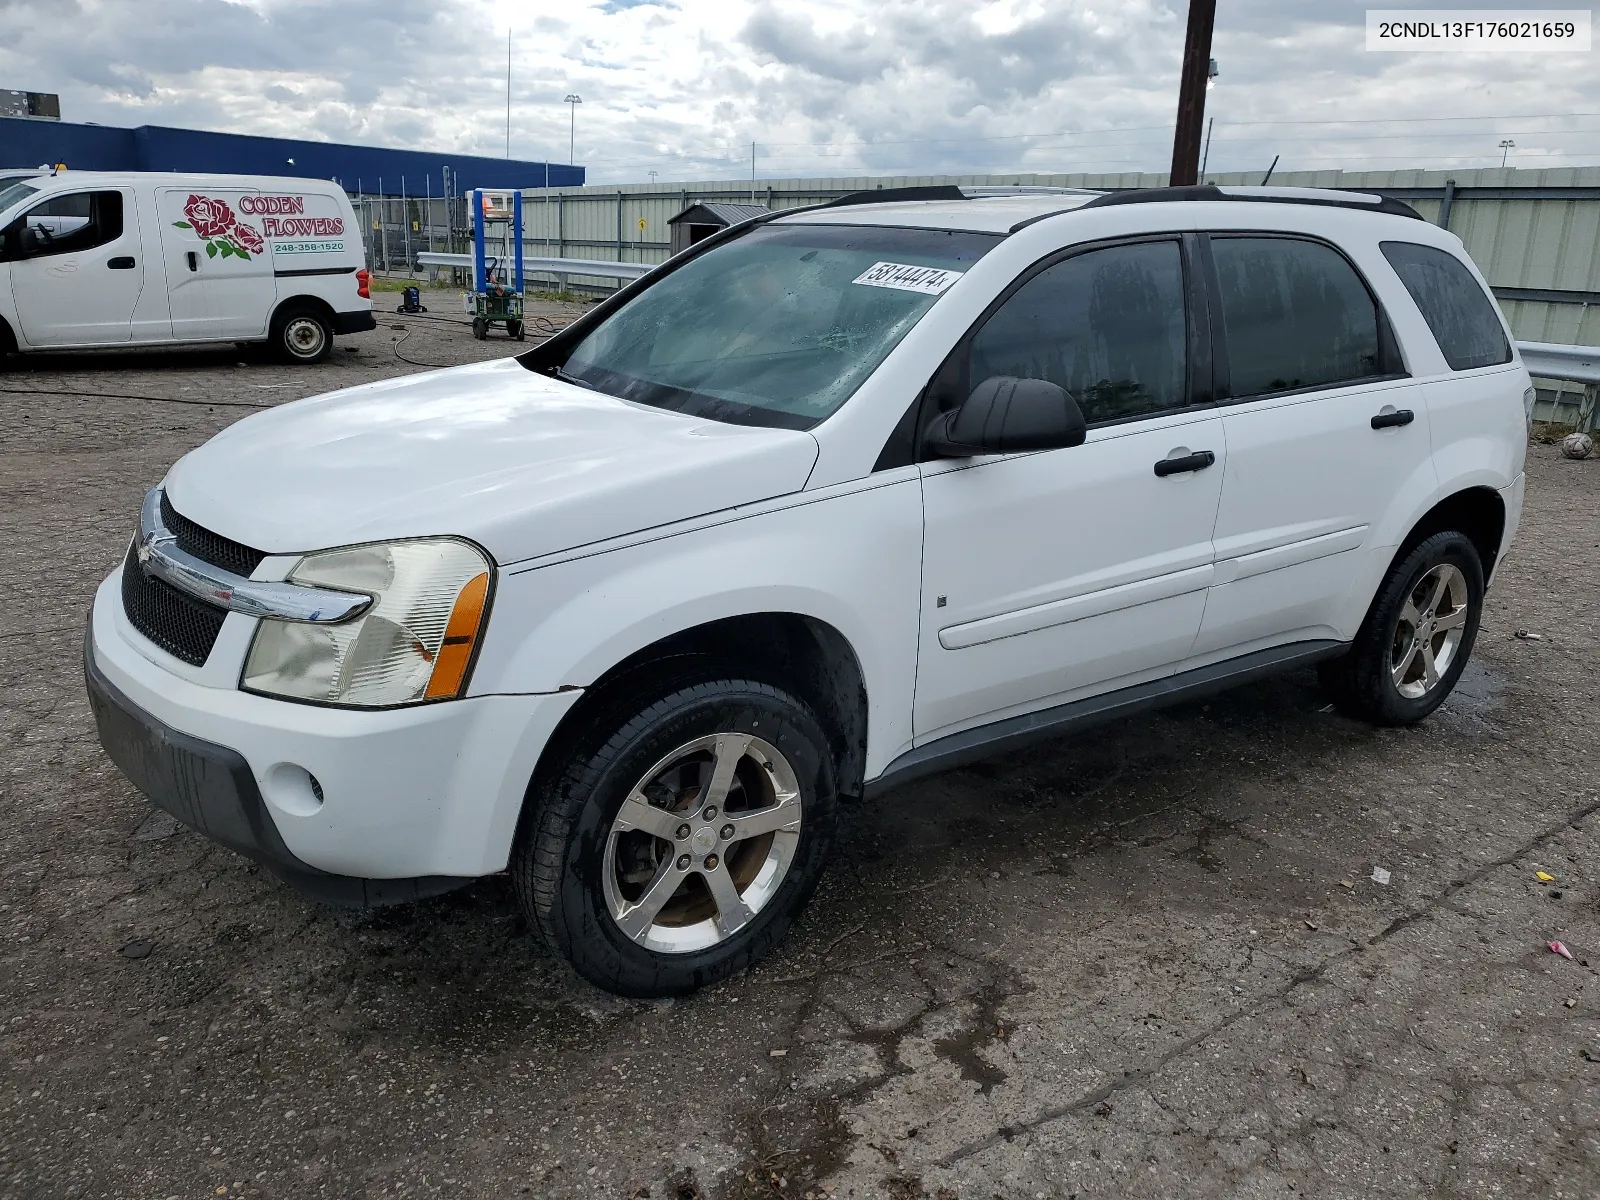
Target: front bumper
x,y
411,801
211,790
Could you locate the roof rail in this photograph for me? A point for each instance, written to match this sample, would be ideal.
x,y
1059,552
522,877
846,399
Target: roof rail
x,y
1361,201
989,191
937,191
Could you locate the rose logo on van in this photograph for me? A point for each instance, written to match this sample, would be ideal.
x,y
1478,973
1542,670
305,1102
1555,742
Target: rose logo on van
x,y
245,238
222,231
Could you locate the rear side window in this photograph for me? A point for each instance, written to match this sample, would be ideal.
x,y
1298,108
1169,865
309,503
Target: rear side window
x,y
1296,314
1462,318
1109,326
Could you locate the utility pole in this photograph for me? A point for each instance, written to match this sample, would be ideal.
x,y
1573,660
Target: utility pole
x,y
752,172
572,99
1192,93
508,92
1206,157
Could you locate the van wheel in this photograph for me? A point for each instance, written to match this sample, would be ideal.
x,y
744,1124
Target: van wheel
x,y
1414,644
679,846
301,335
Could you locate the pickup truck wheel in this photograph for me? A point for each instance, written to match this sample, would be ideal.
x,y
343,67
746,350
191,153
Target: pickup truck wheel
x,y
301,335
681,849
1415,641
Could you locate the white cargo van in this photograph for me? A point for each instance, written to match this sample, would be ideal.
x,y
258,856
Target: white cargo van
x,y
101,259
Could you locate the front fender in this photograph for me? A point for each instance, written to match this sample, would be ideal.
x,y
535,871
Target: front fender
x,y
849,557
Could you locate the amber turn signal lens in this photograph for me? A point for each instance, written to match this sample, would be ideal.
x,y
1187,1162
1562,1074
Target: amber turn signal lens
x,y
460,636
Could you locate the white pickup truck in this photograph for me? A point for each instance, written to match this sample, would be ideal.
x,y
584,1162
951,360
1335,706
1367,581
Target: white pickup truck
x,y
833,499
106,260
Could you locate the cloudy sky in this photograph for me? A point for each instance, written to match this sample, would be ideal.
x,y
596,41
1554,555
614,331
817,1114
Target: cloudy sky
x,y
682,87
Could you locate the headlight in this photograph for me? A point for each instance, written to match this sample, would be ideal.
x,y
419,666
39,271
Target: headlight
x,y
415,643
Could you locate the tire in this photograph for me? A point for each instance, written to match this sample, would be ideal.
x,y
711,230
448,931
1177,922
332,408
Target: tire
x,y
301,335
480,328
1389,676
515,330
567,865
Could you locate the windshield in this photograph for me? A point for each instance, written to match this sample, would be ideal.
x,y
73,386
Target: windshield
x,y
13,188
776,327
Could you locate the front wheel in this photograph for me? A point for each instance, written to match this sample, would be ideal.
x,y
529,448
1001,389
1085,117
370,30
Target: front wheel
x,y
514,329
301,335
680,846
1415,641
480,328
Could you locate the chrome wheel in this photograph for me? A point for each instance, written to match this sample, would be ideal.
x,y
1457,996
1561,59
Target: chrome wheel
x,y
1428,634
702,843
305,337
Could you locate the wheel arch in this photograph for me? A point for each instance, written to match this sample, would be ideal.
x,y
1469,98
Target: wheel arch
x,y
302,300
1478,511
794,651
8,338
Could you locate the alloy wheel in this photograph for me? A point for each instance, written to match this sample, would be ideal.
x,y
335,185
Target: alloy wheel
x,y
1428,634
702,843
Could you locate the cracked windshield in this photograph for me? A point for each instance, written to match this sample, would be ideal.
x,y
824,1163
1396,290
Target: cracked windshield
x,y
777,327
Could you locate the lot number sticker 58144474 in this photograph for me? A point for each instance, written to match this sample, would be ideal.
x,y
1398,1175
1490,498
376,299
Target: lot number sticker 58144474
x,y
904,277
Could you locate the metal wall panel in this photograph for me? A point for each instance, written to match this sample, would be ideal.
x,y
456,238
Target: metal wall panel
x,y
28,143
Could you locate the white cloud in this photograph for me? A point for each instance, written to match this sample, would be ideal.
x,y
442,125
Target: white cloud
x,y
682,87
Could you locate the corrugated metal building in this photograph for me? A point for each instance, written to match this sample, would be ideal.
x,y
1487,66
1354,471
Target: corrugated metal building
x,y
369,170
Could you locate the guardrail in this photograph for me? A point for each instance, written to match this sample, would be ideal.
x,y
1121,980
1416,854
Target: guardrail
x,y
1552,360
595,267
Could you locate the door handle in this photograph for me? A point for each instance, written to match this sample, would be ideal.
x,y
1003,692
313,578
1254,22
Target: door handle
x,y
1198,461
123,262
1393,419
194,260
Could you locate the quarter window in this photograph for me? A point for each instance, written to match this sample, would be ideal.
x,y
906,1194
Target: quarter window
x,y
1108,326
73,223
1462,318
1296,315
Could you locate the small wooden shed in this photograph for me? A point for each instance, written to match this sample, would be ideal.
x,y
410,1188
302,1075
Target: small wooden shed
x,y
699,221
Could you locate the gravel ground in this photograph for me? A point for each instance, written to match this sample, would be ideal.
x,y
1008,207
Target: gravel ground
x,y
1148,961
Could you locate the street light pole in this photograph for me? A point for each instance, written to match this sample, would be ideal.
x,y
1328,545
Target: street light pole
x,y
1506,145
1192,93
572,99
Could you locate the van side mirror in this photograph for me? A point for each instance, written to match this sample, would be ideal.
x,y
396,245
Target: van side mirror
x,y
1004,415
28,241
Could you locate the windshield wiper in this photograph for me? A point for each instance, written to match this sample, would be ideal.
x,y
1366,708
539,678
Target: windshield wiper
x,y
566,378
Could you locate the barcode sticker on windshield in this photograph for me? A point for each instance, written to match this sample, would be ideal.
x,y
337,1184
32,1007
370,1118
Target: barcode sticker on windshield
x,y
905,278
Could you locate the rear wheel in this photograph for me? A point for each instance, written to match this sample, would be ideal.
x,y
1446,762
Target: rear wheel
x,y
681,844
1418,634
301,335
514,329
480,328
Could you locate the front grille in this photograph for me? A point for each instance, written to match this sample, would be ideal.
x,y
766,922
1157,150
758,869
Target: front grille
x,y
211,547
181,625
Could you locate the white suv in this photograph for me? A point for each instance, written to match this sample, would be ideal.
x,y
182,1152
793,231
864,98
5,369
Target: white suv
x,y
839,497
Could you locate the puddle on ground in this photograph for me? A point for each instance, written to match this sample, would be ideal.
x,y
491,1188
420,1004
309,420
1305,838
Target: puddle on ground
x,y
1477,697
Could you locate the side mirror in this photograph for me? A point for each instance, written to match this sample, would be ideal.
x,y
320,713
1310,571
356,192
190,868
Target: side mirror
x,y
28,239
1004,415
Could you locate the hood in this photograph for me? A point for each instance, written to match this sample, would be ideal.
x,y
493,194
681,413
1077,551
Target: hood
x,y
521,463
